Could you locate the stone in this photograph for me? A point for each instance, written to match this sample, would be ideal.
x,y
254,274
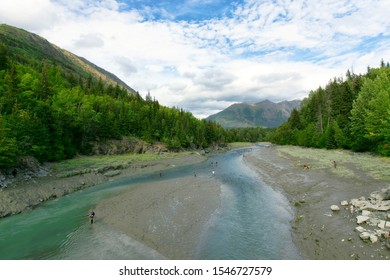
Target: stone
x,y
334,208
361,219
369,206
384,206
374,222
381,224
386,195
373,238
380,232
344,203
112,173
365,235
360,229
378,195
366,213
358,203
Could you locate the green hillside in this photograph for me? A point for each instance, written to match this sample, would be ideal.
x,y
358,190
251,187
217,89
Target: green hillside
x,y
55,105
29,49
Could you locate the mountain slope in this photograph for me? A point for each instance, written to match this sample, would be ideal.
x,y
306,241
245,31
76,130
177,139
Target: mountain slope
x,y
264,113
27,47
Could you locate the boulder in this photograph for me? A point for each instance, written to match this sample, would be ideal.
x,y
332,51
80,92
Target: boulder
x,y
334,208
365,235
369,206
386,194
366,213
380,232
378,195
383,194
361,219
374,222
358,203
381,224
360,229
384,206
344,203
112,173
373,238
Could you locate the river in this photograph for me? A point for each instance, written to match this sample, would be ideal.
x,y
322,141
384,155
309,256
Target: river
x,y
253,221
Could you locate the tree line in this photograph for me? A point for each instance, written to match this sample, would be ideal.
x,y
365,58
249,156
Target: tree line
x,y
349,113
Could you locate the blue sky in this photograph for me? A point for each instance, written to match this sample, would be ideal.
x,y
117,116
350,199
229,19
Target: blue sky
x,y
190,10
203,55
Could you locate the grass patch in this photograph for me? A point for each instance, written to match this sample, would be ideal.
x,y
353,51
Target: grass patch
x,y
297,204
235,145
298,219
348,163
85,163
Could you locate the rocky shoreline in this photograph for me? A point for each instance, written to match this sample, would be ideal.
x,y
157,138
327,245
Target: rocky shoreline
x,y
324,227
373,216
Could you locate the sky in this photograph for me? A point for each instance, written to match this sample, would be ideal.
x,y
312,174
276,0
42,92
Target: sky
x,y
205,55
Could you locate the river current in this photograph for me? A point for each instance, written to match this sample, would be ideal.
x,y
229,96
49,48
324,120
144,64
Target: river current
x,y
253,221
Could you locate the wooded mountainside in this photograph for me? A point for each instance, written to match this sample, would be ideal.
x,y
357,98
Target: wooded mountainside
x,y
351,113
53,109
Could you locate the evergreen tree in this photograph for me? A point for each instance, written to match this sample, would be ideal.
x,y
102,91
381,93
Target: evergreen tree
x,y
8,147
3,57
372,108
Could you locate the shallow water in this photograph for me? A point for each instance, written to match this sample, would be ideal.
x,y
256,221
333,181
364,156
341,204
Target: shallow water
x,y
253,221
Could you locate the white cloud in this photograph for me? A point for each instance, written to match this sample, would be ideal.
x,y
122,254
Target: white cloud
x,y
263,49
32,15
89,41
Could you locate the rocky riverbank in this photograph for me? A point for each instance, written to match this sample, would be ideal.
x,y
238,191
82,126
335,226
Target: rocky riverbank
x,y
315,186
372,216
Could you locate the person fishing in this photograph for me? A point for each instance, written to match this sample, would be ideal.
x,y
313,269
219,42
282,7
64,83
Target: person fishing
x,y
91,215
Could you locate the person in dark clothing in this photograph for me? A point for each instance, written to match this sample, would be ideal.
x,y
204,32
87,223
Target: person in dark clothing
x,y
91,215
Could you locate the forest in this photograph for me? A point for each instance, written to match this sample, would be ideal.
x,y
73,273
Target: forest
x,y
52,114
349,113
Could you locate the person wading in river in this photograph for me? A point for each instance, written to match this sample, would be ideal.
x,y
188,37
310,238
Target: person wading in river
x,y
91,215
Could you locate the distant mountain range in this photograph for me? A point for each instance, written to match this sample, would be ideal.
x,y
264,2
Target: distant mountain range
x,y
264,113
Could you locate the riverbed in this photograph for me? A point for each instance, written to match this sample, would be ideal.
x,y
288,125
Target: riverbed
x,y
248,188
250,220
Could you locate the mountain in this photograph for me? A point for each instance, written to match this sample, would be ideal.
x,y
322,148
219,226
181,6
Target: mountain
x,y
27,48
264,113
